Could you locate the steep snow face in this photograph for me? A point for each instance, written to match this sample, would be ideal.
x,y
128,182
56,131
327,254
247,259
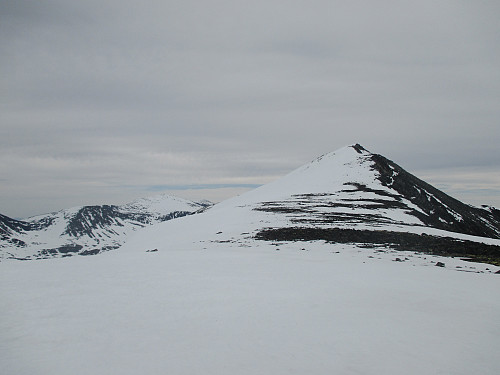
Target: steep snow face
x,y
326,174
87,230
341,187
352,186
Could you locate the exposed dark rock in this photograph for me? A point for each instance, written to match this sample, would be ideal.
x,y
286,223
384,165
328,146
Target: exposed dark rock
x,y
310,208
71,248
9,226
446,246
439,264
441,210
175,215
359,149
90,252
89,218
13,241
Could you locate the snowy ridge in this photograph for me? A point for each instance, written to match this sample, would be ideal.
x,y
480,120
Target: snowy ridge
x,y
86,230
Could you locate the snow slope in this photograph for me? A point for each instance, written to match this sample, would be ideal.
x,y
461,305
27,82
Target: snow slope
x,y
221,309
343,189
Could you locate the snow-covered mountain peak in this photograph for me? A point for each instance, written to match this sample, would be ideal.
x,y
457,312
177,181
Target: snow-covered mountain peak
x,y
346,154
337,162
351,189
162,203
328,173
354,186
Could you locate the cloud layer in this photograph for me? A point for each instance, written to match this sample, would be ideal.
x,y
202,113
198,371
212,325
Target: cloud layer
x,y
101,101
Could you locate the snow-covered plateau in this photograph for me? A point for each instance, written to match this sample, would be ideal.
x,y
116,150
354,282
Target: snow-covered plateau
x,y
291,278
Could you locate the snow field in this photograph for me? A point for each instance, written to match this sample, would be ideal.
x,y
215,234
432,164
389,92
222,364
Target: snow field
x,y
227,310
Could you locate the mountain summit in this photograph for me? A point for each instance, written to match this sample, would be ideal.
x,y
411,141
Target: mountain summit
x,y
355,186
347,196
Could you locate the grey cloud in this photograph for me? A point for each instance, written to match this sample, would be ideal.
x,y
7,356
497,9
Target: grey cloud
x,y
181,93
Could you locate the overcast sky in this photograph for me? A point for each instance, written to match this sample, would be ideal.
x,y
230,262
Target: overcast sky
x,y
106,101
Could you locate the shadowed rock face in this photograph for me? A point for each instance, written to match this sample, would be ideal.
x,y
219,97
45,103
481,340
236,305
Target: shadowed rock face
x,y
8,225
87,231
440,210
421,243
90,218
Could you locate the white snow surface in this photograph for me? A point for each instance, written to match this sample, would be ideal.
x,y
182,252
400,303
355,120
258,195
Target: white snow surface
x,y
161,204
222,309
199,295
326,174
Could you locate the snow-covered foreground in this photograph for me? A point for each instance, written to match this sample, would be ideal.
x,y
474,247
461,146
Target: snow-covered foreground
x,y
219,308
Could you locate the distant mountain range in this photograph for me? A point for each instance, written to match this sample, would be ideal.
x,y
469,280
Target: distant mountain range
x,y
348,196
87,230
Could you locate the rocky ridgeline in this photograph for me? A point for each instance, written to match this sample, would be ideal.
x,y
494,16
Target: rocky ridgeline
x,y
86,230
